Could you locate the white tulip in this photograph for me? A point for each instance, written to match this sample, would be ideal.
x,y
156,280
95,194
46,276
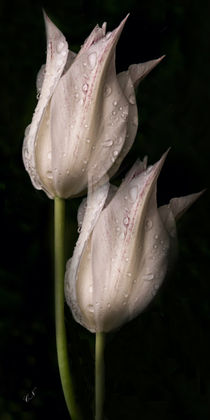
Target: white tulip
x,y
86,117
124,250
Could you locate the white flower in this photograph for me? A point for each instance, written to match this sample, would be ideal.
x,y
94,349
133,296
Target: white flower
x,y
86,117
124,250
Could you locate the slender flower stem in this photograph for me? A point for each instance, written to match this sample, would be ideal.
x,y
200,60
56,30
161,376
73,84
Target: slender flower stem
x,y
61,340
99,375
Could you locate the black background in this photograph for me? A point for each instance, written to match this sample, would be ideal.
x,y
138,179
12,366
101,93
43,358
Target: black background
x,y
158,365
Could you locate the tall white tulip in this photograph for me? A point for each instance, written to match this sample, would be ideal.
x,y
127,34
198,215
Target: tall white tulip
x,y
124,250
86,117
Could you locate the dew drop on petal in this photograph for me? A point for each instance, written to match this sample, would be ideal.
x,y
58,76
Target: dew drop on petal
x,y
108,143
148,277
124,116
60,46
133,193
114,113
92,60
49,175
132,99
126,221
115,153
59,62
108,35
115,103
135,121
148,224
85,87
156,237
129,274
90,308
107,90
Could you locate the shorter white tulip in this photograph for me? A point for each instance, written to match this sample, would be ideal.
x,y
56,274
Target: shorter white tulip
x,y
124,250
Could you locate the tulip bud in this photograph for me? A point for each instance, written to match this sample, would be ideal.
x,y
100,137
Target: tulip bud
x,y
124,250
86,117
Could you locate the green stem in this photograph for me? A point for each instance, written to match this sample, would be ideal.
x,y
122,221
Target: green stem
x,y
99,375
61,340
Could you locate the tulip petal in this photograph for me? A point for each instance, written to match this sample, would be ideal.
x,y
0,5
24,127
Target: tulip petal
x,y
57,51
139,71
116,248
75,292
180,205
82,118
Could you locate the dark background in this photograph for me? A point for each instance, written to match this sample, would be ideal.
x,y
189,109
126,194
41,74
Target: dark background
x,y
157,366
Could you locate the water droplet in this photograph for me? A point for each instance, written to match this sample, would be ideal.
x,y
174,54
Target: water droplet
x,y
148,277
135,120
132,99
156,236
92,60
90,288
86,125
49,155
115,103
85,161
84,64
90,308
114,113
108,35
126,220
134,281
49,175
148,224
120,108
115,153
149,169
129,274
108,143
155,246
133,193
85,87
124,116
124,303
126,197
126,295
107,90
59,62
67,172
83,169
126,259
60,46
108,304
